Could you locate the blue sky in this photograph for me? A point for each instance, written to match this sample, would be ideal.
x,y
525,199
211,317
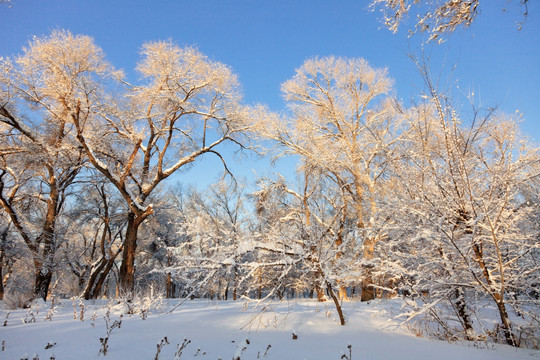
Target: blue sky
x,y
265,41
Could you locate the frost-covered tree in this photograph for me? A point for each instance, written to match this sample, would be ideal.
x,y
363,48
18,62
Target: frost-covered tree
x,y
96,228
465,231
186,107
310,237
215,239
39,157
136,136
344,123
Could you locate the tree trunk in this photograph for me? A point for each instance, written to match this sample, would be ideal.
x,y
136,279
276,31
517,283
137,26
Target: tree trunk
x,y
366,285
463,314
321,297
168,286
507,329
98,277
94,273
103,276
367,292
43,278
1,276
336,303
342,290
3,239
235,283
43,263
498,297
127,269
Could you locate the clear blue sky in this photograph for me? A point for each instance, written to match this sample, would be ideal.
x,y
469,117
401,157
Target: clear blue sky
x,y
265,41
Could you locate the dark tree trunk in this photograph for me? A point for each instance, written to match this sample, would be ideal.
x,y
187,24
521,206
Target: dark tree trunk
x,y
97,277
507,329
1,276
170,286
336,303
463,314
366,285
367,292
44,262
235,282
104,275
3,240
94,273
127,269
42,281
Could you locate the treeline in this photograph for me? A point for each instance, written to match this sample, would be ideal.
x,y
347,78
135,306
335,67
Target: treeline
x,y
425,201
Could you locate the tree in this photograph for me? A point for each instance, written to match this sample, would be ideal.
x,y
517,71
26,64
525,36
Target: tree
x,y
215,228
96,226
460,211
309,235
344,123
136,136
39,159
186,108
5,254
436,18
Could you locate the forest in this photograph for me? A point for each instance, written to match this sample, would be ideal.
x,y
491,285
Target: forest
x,y
436,201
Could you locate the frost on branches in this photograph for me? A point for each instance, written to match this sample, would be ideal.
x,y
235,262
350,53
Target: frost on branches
x,y
465,224
436,18
344,126
422,202
134,135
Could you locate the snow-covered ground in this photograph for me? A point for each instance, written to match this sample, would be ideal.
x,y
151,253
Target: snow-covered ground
x,y
222,329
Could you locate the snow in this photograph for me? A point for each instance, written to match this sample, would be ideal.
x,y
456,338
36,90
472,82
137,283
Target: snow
x,y
229,261
228,329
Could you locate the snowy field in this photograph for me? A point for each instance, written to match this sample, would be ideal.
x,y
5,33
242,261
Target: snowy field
x,y
225,330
